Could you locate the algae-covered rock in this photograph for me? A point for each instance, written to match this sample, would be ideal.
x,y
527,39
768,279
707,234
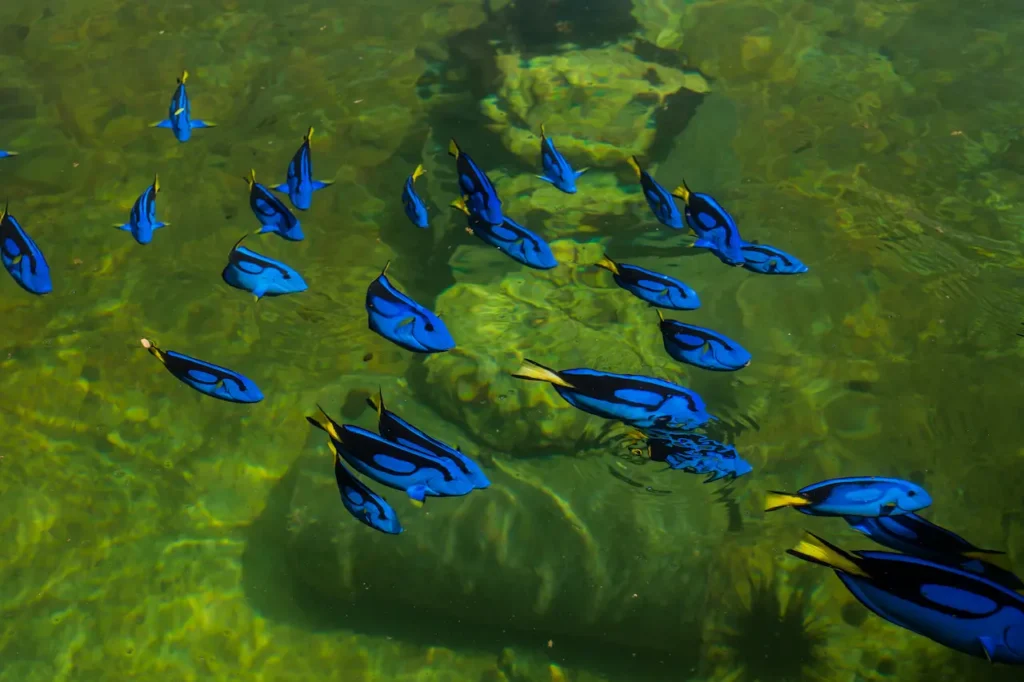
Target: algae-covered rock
x,y
553,546
566,317
599,103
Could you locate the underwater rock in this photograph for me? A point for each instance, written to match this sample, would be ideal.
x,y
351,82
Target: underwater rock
x,y
567,317
553,546
598,105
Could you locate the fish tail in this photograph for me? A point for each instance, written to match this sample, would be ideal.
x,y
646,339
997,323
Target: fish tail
x,y
385,270
818,551
314,422
682,192
635,165
379,407
418,173
534,371
151,347
542,134
989,556
330,426
661,318
777,500
184,77
309,134
608,264
460,204
453,148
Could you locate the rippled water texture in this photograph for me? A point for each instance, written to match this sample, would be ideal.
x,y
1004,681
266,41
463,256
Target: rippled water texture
x,y
150,532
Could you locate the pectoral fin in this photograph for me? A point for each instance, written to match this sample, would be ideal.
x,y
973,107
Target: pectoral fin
x,y
988,646
166,123
320,184
126,227
196,123
546,179
283,187
703,244
417,494
581,172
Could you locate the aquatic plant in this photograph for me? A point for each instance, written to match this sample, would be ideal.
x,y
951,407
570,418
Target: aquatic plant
x,y
775,640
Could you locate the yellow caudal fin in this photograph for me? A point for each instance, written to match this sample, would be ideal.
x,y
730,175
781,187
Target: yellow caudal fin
x,y
608,264
777,500
330,426
532,371
460,204
682,192
151,347
418,173
184,77
542,130
635,165
309,135
453,148
998,559
661,318
818,551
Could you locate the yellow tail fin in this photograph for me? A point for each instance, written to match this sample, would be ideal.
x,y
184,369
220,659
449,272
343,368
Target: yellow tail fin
x,y
542,130
532,371
453,148
818,551
608,264
635,165
460,204
777,500
418,173
682,192
330,426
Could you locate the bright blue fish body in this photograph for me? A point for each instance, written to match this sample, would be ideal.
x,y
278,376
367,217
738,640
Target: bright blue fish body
x,y
715,228
397,430
768,260
300,184
4,155
513,240
476,188
917,536
142,219
22,258
557,170
856,496
661,291
697,454
212,380
260,275
637,400
413,470
659,199
403,321
179,118
273,215
953,607
702,347
415,209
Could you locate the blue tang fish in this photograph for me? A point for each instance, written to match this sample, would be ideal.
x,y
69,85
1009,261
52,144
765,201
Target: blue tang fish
x,y
857,496
4,155
413,470
655,288
414,207
273,215
768,260
213,380
22,258
512,239
397,430
557,170
658,198
403,321
917,536
260,275
300,184
697,454
179,114
142,219
956,608
702,347
715,228
476,188
637,400
365,505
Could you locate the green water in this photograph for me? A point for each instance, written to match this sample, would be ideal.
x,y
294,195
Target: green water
x,y
150,532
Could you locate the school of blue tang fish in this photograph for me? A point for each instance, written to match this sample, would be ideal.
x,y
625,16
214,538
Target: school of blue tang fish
x,y
934,583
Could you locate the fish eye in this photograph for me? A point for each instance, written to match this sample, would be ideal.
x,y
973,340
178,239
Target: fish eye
x,y
911,493
429,327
